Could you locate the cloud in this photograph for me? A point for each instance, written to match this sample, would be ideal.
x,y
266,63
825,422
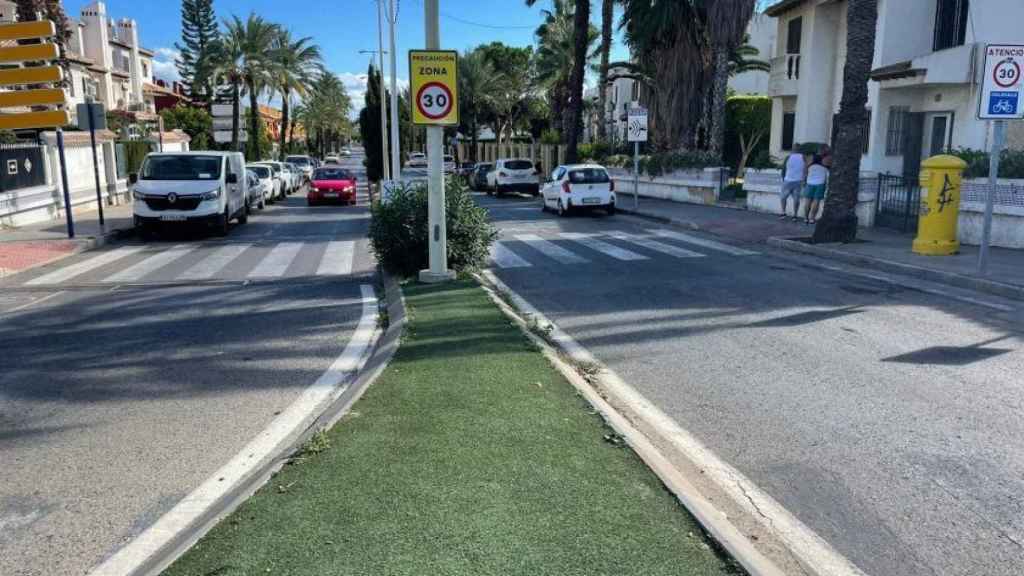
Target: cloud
x,y
356,85
164,64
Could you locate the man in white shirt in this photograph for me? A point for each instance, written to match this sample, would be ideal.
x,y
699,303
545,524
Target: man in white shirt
x,y
793,176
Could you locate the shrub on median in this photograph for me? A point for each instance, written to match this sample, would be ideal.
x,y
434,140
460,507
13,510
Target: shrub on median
x,y
399,230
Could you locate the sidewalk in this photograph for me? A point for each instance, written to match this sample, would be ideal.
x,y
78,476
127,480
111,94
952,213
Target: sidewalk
x,y
878,247
37,244
470,455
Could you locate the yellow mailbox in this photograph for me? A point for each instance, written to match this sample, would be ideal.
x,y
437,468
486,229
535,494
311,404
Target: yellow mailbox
x,y
940,206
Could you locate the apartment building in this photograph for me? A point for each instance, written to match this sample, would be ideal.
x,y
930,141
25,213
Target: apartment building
x,y
925,79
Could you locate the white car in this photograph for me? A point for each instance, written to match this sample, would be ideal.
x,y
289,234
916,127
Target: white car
x,y
332,160
579,187
280,188
305,164
416,160
513,175
296,174
268,185
346,152
289,176
190,187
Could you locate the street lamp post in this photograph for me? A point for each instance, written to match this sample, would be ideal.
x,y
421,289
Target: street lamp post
x,y
396,152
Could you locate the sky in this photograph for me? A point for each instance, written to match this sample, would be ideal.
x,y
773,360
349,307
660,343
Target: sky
x,y
343,28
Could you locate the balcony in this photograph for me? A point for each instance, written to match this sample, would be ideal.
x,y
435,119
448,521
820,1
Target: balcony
x,y
950,66
785,75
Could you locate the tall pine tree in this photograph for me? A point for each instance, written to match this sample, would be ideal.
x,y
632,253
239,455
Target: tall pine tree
x,y
199,34
369,126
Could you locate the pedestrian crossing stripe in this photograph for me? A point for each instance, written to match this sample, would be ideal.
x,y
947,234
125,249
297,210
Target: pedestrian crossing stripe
x,y
506,258
604,247
703,242
276,263
68,272
656,246
150,265
211,265
550,249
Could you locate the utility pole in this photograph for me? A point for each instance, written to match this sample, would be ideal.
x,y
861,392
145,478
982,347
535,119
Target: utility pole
x,y
396,151
438,241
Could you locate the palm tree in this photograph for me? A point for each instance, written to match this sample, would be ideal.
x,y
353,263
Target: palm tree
x,y
554,60
839,222
607,7
324,112
296,64
477,85
252,42
727,22
744,59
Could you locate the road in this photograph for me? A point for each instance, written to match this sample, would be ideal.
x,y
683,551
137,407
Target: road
x,y
887,419
133,373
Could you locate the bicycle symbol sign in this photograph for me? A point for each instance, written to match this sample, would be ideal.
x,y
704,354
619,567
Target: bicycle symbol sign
x,y
1003,103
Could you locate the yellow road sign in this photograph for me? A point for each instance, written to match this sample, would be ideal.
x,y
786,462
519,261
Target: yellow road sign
x,y
46,119
24,30
39,75
434,86
32,97
30,53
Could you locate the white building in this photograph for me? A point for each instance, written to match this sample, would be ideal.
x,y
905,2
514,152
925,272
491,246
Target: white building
x,y
763,33
923,93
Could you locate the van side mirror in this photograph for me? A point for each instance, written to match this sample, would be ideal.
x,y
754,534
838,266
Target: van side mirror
x,y
133,177
232,178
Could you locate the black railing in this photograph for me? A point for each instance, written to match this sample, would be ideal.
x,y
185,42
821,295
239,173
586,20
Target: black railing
x,y
899,202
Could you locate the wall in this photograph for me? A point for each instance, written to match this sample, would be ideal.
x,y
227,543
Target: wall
x,y
685,186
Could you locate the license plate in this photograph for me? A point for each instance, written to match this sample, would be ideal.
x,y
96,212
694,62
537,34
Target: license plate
x,y
173,218
330,195
591,200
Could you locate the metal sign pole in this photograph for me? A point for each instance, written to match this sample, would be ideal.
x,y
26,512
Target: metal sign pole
x,y
95,161
64,182
998,141
636,176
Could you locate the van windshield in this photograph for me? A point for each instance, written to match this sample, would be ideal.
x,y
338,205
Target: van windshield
x,y
331,174
182,168
301,160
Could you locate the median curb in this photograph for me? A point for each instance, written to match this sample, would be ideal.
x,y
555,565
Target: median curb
x,y
952,278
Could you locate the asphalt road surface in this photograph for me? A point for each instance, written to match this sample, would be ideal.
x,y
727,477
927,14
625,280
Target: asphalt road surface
x,y
134,372
887,419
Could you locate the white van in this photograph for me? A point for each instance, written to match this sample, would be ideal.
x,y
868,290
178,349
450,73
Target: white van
x,y
191,187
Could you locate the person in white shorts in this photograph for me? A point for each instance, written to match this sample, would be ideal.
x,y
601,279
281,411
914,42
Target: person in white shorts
x,y
795,172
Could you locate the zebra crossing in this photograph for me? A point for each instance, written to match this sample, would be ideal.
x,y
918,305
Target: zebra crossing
x,y
524,250
241,261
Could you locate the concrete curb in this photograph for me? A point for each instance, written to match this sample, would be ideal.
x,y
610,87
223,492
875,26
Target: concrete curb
x,y
980,284
379,356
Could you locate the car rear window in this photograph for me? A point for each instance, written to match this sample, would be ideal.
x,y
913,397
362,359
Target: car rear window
x,y
519,165
588,176
331,174
261,171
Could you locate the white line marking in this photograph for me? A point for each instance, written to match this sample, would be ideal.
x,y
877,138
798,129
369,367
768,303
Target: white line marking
x,y
151,264
604,247
210,265
281,432
505,258
703,242
28,305
810,548
68,272
337,259
550,249
656,246
277,261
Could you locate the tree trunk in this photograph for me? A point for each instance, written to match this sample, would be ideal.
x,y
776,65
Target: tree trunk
x,y
284,124
254,120
475,127
581,29
839,221
720,92
235,120
606,47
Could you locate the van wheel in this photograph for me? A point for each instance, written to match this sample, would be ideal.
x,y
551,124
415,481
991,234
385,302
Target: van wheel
x,y
611,210
244,216
224,225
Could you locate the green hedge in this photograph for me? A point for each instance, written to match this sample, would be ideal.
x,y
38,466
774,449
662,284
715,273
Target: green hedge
x,y
1011,163
134,153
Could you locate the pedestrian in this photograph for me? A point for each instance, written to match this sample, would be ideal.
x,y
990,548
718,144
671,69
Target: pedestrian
x,y
793,176
814,192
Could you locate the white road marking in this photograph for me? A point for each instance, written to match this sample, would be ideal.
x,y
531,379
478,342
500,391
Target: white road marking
x,y
656,246
337,259
550,249
277,261
28,305
604,247
69,272
266,446
703,242
151,264
505,258
209,266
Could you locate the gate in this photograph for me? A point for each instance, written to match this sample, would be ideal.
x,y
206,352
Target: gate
x,y
899,202
21,166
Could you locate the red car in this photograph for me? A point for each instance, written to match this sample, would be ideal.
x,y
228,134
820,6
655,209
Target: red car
x,y
332,184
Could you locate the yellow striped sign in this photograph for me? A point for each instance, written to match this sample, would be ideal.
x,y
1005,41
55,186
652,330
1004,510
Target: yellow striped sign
x,y
30,53
32,97
47,119
40,75
25,30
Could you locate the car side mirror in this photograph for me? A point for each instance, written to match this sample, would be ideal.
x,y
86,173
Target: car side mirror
x,y
232,179
133,177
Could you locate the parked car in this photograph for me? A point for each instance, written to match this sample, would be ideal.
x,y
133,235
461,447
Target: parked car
x,y
331,160
465,169
280,183
346,152
332,184
478,177
208,188
449,164
289,175
298,178
269,184
257,190
416,160
513,175
305,164
579,187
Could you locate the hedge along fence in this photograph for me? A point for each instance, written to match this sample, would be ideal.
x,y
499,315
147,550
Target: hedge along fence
x,y
1011,163
133,152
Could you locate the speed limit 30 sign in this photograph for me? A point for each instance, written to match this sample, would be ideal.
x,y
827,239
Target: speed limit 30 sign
x,y
434,87
1002,93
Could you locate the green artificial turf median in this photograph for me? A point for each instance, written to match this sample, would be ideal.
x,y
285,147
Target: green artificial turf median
x,y
469,456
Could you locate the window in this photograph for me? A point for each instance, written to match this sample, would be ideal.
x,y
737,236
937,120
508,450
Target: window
x,y
894,132
951,23
518,165
788,128
145,70
181,168
588,176
795,31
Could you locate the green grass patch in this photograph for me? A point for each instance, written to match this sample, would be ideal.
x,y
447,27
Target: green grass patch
x,y
469,456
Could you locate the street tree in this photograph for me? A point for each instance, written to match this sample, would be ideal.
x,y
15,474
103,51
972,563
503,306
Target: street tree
x,y
607,10
295,64
839,221
554,60
748,123
196,122
477,84
254,39
727,22
369,126
199,35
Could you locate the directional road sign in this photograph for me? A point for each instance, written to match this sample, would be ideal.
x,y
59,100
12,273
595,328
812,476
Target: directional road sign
x,y
637,125
224,136
1002,93
434,86
222,111
38,96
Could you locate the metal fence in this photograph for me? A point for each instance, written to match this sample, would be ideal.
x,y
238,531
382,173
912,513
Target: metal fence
x,y
21,166
1010,194
899,202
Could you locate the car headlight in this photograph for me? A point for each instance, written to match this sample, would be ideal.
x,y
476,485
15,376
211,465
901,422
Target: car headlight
x,y
212,195
138,195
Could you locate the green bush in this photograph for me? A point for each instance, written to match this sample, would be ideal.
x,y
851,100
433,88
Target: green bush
x,y
762,161
551,137
658,164
399,230
1011,163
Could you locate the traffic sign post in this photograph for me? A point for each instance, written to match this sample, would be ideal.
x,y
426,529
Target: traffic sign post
x,y
434,88
636,132
1001,100
91,116
224,125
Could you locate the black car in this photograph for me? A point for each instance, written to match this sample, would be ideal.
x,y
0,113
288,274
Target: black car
x,y
465,169
478,177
